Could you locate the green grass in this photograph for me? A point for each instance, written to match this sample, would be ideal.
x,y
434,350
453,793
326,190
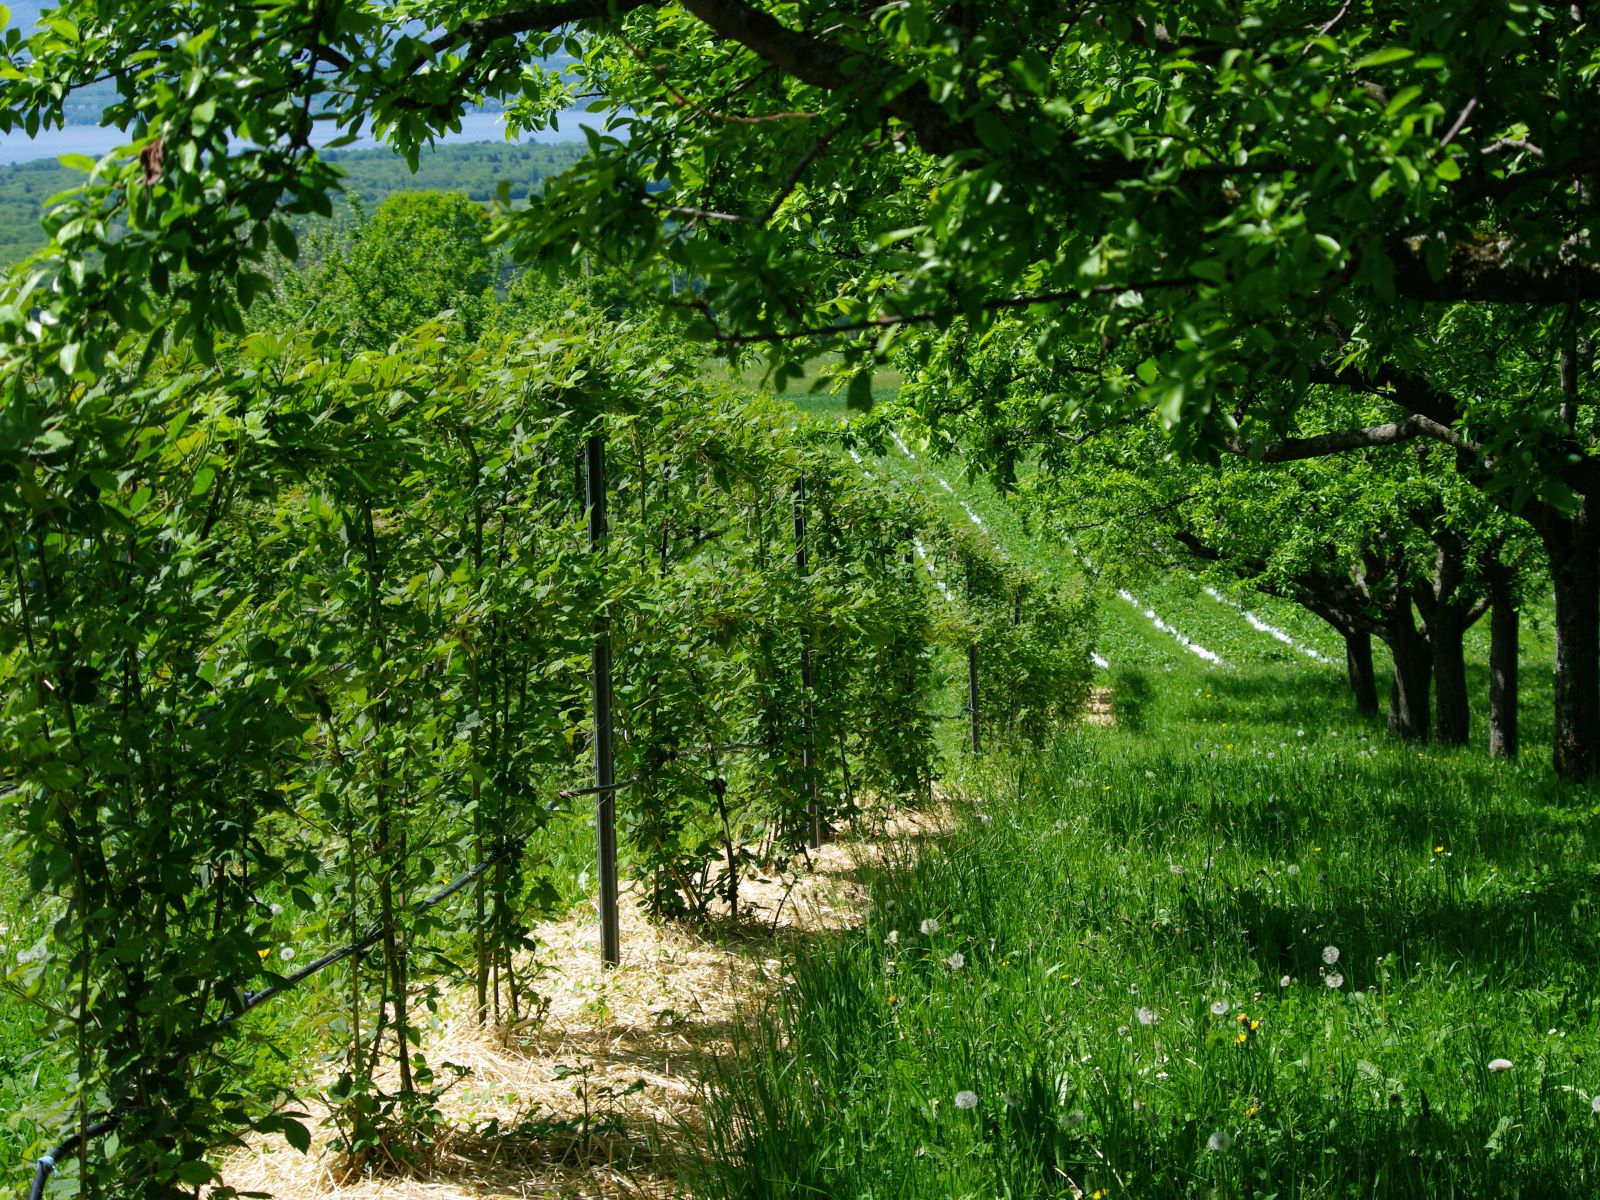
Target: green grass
x,y
1124,877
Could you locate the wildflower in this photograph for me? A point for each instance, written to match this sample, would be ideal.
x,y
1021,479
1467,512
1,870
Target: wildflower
x,y
1219,1008
894,937
1438,849
929,926
1075,1118
275,909
1294,868
1299,733
966,1100
1499,1064
1335,980
1241,1039
1285,981
287,953
1330,954
956,961
261,954
1147,1016
1594,1105
1218,1141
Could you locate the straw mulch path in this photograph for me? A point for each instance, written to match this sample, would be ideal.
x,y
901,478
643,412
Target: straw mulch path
x,y
673,1000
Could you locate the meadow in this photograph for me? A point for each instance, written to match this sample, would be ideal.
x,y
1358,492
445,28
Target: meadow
x,y
1239,944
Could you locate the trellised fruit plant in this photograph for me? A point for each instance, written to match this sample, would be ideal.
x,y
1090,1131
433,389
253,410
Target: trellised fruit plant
x,y
293,639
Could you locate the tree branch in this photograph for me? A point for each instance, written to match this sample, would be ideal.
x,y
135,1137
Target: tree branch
x,y
1324,444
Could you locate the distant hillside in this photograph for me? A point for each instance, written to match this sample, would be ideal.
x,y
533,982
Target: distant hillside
x,y
475,168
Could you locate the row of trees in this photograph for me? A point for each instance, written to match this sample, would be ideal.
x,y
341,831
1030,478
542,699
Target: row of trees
x,y
1385,544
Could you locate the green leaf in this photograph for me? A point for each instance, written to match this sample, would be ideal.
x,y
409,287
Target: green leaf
x,y
1447,169
1383,58
283,237
75,162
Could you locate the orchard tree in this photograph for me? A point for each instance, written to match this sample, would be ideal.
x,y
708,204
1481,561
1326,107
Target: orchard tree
x,y
1256,197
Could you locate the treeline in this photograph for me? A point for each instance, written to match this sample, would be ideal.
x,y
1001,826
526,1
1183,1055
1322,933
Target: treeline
x,y
474,169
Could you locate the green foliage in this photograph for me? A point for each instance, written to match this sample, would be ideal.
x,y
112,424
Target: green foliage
x,y
1033,639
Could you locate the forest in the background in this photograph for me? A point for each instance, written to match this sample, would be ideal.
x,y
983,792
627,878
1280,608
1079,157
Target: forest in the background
x,y
474,168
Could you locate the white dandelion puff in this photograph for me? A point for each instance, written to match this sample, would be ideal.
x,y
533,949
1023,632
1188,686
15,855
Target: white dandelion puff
x,y
1219,1008
1218,1141
966,1100
1294,868
1147,1016
1335,980
286,953
894,937
275,909
956,961
929,926
1594,1105
1330,954
1285,981
1499,1064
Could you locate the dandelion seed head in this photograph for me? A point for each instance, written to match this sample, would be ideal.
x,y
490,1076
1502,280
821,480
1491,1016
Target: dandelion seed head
x,y
1294,868
1218,1141
1594,1105
1330,954
1147,1016
1176,869
1335,980
1499,1064
1219,1008
275,909
966,1100
1285,981
929,926
894,937
956,961
286,953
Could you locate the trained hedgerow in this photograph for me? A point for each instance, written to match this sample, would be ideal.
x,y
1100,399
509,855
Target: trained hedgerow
x,y
293,675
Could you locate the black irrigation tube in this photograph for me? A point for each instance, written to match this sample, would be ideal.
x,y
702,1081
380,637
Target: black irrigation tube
x,y
46,1164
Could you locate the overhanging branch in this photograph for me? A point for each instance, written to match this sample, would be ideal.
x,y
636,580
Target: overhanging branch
x,y
1322,445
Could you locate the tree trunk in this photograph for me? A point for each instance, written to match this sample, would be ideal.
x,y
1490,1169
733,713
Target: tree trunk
x,y
1358,669
1446,631
1503,650
1575,572
1413,668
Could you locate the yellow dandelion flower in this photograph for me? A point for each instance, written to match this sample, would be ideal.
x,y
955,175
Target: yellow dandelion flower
x,y
1242,1039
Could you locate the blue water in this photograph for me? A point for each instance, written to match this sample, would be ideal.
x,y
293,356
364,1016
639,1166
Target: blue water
x,y
96,140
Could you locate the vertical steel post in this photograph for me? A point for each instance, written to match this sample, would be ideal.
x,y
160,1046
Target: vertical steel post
x,y
972,677
605,811
972,694
807,752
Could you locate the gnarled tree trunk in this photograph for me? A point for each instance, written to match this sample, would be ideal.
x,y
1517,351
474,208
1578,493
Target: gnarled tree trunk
x,y
1358,670
1413,670
1504,633
1575,572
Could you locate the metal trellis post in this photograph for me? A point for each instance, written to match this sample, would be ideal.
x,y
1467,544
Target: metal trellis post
x,y
605,812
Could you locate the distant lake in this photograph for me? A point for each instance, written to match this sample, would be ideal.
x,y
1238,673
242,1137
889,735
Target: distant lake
x,y
96,140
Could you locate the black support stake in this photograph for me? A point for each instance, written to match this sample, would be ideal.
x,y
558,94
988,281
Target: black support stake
x,y
605,813
972,695
801,565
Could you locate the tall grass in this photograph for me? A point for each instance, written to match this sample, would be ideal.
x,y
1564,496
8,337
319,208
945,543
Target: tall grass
x,y
1251,951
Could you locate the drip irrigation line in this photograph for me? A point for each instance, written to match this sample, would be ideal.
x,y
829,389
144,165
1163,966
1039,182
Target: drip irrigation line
x,y
46,1164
